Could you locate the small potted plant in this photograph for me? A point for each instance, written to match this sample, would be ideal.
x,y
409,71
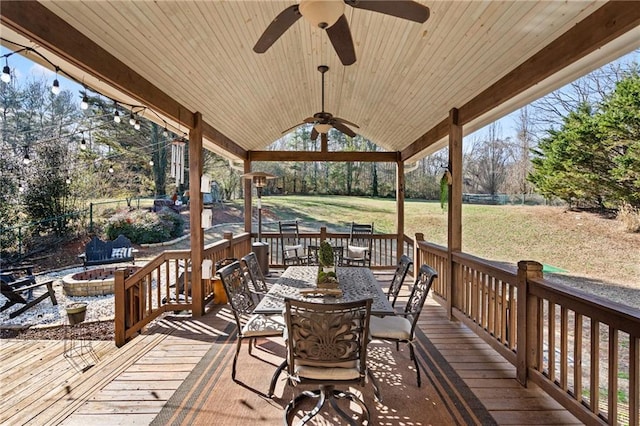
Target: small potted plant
x,y
327,277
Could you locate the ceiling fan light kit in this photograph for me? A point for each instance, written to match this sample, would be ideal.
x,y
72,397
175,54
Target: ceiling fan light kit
x,y
322,127
322,13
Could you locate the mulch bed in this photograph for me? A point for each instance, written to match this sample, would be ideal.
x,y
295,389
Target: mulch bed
x,y
100,330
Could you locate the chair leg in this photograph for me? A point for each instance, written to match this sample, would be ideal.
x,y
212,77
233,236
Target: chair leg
x,y
336,394
274,379
235,358
415,361
289,410
376,388
326,393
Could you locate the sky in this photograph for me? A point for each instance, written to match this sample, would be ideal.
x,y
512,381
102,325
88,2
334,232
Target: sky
x,y
25,68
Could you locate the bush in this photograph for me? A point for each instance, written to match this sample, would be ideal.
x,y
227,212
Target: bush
x,y
144,227
630,217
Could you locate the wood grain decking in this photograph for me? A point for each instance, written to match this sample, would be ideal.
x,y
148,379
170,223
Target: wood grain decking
x,y
131,384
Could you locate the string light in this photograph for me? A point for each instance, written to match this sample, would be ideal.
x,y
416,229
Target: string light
x,y
110,169
55,88
6,72
85,102
26,160
83,143
84,105
68,180
151,163
20,187
137,125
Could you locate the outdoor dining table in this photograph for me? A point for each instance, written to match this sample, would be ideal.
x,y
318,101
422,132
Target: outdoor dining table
x,y
356,283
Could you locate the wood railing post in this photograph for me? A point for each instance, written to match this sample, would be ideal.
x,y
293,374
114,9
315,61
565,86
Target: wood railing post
x,y
120,302
417,259
323,233
526,319
228,236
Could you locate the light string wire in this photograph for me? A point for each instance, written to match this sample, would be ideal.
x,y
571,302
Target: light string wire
x,y
136,109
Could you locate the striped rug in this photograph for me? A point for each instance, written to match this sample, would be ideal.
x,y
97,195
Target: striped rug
x,y
208,396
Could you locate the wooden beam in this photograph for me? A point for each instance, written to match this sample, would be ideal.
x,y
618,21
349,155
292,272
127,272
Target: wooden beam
x,y
41,26
215,136
607,23
400,184
195,219
604,25
454,228
310,156
248,211
432,136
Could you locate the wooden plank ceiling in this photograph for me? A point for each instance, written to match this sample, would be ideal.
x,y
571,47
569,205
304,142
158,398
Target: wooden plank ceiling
x,y
406,78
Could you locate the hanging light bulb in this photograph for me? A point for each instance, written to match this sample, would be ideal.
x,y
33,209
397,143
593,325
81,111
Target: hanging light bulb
x,y
85,102
110,169
136,125
83,144
132,119
55,88
68,181
165,132
6,72
20,187
151,163
26,160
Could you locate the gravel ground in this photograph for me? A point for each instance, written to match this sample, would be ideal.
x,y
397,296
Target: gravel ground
x,y
48,321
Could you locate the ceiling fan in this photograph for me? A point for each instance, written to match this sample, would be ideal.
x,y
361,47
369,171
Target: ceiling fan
x,y
329,15
323,120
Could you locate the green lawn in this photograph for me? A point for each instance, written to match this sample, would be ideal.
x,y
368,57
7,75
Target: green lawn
x,y
584,244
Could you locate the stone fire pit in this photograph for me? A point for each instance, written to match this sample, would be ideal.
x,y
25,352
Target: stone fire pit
x,y
94,282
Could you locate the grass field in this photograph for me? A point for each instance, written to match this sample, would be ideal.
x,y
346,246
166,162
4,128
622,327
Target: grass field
x,y
583,244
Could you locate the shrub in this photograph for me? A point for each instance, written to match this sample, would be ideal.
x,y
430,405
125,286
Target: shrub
x,y
144,227
630,217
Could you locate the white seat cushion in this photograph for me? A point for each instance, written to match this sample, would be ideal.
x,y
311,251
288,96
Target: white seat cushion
x,y
263,325
355,252
390,328
325,373
293,250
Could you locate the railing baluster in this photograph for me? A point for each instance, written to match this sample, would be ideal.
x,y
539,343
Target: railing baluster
x,y
594,383
613,376
551,341
564,347
577,357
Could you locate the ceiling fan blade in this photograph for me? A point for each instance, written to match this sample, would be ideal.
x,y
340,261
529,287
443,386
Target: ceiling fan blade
x,y
340,36
291,128
399,8
314,134
342,120
309,120
344,129
277,27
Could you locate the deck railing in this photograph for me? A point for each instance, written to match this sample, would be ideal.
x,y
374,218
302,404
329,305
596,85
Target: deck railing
x,y
581,349
383,251
164,284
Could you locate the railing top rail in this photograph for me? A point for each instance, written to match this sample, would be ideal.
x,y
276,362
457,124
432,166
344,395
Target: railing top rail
x,y
617,315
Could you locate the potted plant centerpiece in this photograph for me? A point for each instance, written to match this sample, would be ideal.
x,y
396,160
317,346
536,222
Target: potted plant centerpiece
x,y
327,277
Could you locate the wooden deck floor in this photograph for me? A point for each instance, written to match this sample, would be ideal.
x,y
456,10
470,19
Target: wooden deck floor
x,y
130,385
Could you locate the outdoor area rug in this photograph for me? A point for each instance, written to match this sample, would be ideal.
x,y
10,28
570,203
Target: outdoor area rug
x,y
209,396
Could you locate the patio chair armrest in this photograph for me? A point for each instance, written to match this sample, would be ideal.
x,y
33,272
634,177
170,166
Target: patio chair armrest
x,y
31,286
